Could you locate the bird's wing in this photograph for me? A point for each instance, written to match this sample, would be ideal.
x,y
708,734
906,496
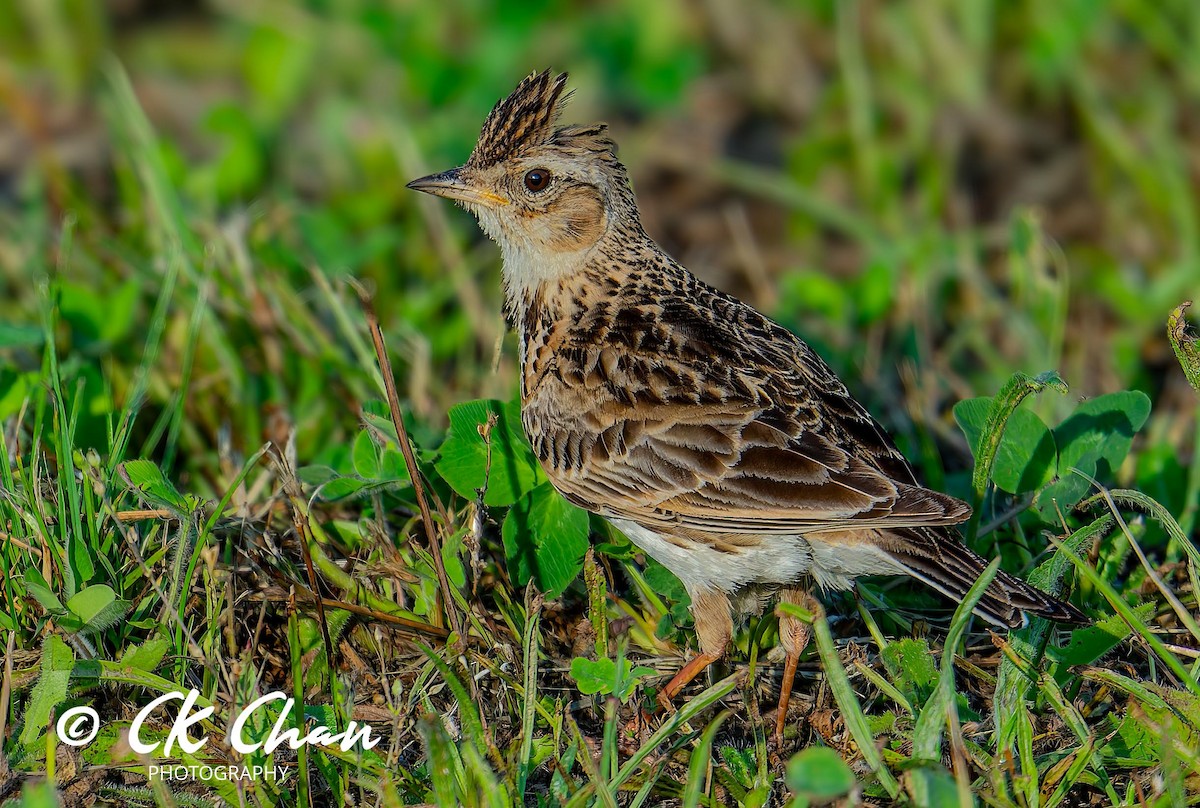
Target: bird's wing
x,y
935,556
702,414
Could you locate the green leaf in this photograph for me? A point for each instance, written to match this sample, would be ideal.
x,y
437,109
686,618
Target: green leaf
x,y
818,773
545,537
376,415
50,691
741,764
392,466
1087,645
1094,440
503,465
13,335
99,318
1130,739
992,432
38,795
147,656
670,588
1180,717
372,462
364,456
593,676
95,608
36,585
15,388
934,787
910,661
603,676
1025,459
1101,428
91,601
154,489
986,430
341,488
316,475
1186,345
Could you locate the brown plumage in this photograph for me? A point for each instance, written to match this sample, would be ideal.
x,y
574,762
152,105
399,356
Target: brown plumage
x,y
523,120
715,438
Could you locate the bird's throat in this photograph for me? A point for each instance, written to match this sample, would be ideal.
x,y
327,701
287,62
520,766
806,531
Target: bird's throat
x,y
542,313
530,273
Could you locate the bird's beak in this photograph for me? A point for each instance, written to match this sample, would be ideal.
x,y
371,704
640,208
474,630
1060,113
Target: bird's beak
x,y
453,185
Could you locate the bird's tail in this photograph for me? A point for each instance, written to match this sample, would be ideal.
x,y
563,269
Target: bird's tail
x,y
935,556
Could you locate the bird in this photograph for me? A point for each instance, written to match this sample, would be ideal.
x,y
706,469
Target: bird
x,y
717,440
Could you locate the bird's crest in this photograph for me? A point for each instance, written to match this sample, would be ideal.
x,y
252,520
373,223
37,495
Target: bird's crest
x,y
525,119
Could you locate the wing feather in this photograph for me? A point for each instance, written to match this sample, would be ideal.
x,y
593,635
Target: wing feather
x,y
711,417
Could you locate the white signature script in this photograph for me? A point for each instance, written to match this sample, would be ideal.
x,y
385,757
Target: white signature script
x,y
74,725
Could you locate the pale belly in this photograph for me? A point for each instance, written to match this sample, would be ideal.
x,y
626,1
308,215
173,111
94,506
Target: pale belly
x,y
778,561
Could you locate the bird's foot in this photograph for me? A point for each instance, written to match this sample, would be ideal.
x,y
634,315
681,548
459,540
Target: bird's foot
x,y
794,636
694,667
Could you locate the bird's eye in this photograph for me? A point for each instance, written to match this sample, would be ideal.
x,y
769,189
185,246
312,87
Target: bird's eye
x,y
537,179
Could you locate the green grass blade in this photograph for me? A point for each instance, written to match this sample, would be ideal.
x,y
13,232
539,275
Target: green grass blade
x,y
529,643
445,767
129,121
1178,536
1082,757
297,659
885,687
643,793
699,762
176,412
1015,390
602,788
1012,684
176,240
843,694
597,591
78,567
927,734
471,722
1127,613
686,713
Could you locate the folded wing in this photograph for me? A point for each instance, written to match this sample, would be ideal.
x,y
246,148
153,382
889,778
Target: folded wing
x,y
712,418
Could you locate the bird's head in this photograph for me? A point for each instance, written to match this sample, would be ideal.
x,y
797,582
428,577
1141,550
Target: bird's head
x,y
546,194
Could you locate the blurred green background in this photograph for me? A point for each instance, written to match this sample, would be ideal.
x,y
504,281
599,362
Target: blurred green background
x,y
935,193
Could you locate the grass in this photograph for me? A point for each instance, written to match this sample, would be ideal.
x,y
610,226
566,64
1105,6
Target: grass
x,y
208,485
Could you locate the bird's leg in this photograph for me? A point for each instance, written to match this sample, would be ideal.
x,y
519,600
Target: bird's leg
x,y
714,630
694,667
794,635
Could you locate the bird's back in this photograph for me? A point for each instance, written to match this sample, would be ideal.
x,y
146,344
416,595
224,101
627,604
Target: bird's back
x,y
638,373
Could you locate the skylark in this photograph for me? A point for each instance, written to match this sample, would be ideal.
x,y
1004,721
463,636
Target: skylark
x,y
713,437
